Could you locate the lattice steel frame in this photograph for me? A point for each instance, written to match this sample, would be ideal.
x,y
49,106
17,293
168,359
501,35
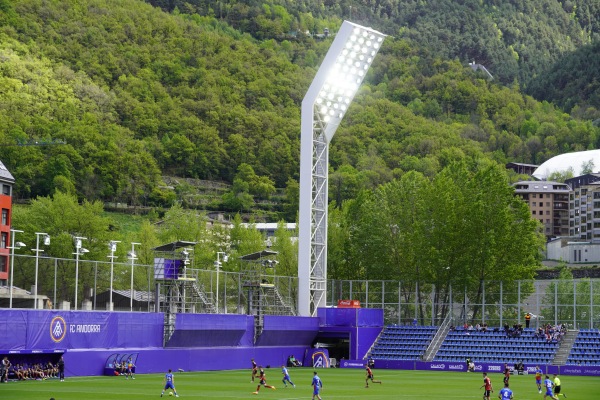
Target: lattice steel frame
x,y
323,108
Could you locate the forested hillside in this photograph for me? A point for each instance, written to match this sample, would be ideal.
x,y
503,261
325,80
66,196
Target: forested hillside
x,y
514,39
137,93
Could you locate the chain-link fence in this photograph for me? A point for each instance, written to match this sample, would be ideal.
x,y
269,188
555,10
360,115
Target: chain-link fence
x,y
573,302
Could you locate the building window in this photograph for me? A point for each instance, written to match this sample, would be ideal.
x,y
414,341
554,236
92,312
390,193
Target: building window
x,y
4,216
3,240
547,204
547,212
3,264
532,212
534,204
534,195
6,190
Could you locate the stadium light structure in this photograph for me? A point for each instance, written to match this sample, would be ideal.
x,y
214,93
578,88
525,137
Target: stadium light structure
x,y
323,108
132,256
112,247
37,263
15,246
79,250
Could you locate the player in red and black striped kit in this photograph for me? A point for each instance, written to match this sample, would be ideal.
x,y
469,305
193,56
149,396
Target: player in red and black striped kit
x,y
370,376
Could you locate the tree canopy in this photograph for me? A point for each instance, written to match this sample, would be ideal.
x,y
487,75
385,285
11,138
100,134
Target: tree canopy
x,y
137,93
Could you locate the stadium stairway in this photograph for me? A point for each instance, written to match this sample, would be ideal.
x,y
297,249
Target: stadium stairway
x,y
565,346
437,340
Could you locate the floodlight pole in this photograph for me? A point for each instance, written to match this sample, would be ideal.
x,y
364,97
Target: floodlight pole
x,y
37,262
132,257
323,108
218,266
78,251
13,232
112,246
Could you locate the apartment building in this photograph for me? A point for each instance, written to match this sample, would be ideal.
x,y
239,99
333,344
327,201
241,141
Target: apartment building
x,y
549,203
584,208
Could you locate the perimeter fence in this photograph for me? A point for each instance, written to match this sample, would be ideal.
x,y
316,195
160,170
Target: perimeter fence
x,y
575,302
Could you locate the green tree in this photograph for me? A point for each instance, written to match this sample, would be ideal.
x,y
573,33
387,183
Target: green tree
x,y
63,218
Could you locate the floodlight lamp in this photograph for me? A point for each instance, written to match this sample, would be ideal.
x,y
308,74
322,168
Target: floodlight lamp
x,y
185,253
225,257
83,250
20,244
217,264
47,240
112,246
132,255
78,243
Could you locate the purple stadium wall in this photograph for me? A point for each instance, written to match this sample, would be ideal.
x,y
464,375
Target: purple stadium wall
x,y
200,341
91,362
208,330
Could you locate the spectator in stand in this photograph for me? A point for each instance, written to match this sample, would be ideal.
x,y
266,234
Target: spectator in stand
x,y
539,333
484,327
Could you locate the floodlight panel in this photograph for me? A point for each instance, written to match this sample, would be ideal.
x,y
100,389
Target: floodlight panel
x,y
341,74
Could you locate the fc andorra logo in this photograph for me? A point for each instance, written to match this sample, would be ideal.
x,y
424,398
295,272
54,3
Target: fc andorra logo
x,y
58,329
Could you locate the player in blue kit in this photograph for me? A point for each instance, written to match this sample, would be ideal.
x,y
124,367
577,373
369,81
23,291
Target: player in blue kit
x,y
505,393
169,383
286,376
549,384
317,384
538,378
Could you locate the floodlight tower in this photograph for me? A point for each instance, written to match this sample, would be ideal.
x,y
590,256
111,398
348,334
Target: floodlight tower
x,y
323,108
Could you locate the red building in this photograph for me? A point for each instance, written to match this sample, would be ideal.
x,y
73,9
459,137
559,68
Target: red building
x,y
6,186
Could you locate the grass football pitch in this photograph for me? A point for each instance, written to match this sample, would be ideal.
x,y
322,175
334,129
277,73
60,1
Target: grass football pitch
x,y
337,384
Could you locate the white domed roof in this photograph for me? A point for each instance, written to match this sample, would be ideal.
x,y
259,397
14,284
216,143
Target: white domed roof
x,y
565,161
